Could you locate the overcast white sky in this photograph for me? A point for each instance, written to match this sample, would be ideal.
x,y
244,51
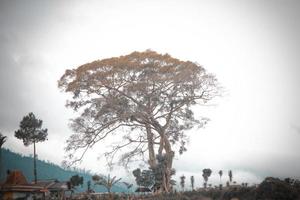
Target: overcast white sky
x,y
251,46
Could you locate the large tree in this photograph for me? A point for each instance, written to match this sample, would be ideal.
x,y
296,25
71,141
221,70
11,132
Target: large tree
x,y
31,132
145,99
2,141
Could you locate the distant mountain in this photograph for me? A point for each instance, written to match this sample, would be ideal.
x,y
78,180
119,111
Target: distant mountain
x,y
47,170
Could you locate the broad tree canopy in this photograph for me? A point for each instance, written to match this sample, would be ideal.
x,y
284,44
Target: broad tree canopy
x,y
144,98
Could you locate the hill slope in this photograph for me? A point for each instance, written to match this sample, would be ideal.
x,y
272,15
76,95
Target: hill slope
x,y
46,170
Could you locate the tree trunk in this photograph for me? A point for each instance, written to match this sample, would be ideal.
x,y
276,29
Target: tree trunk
x,y
161,146
166,176
110,196
152,158
169,164
165,145
34,163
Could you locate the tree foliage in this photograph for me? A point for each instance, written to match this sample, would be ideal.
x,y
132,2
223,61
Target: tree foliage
x,y
76,180
159,172
145,98
30,130
108,182
88,183
192,182
220,174
206,174
144,178
2,139
182,182
230,175
274,188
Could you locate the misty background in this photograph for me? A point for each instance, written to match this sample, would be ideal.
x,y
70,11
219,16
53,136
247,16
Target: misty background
x,y
251,46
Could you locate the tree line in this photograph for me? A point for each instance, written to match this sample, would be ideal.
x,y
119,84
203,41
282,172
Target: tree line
x,y
148,179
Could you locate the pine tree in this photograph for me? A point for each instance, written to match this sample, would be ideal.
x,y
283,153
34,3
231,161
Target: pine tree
x,y
31,132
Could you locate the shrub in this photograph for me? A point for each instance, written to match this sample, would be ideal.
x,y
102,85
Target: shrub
x,y
274,188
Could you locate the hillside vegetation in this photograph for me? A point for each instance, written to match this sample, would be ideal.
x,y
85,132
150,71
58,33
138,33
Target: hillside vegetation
x,y
47,170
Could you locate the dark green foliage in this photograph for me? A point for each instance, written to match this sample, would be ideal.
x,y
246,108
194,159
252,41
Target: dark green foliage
x,y
2,141
227,184
144,178
230,175
88,183
276,192
160,169
205,174
296,185
31,130
106,182
274,188
182,182
192,182
220,174
48,170
76,180
246,193
154,177
220,186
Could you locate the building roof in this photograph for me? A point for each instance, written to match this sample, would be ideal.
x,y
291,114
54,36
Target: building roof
x,y
15,178
53,184
17,182
21,188
45,183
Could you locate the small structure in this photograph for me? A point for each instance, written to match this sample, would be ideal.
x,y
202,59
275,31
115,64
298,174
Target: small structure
x,y
53,188
17,187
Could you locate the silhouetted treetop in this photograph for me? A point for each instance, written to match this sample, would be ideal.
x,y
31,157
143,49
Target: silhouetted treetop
x,y
30,130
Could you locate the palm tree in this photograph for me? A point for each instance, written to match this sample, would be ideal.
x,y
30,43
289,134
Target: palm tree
x,y
2,141
205,175
128,186
230,175
108,182
182,182
192,182
220,173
